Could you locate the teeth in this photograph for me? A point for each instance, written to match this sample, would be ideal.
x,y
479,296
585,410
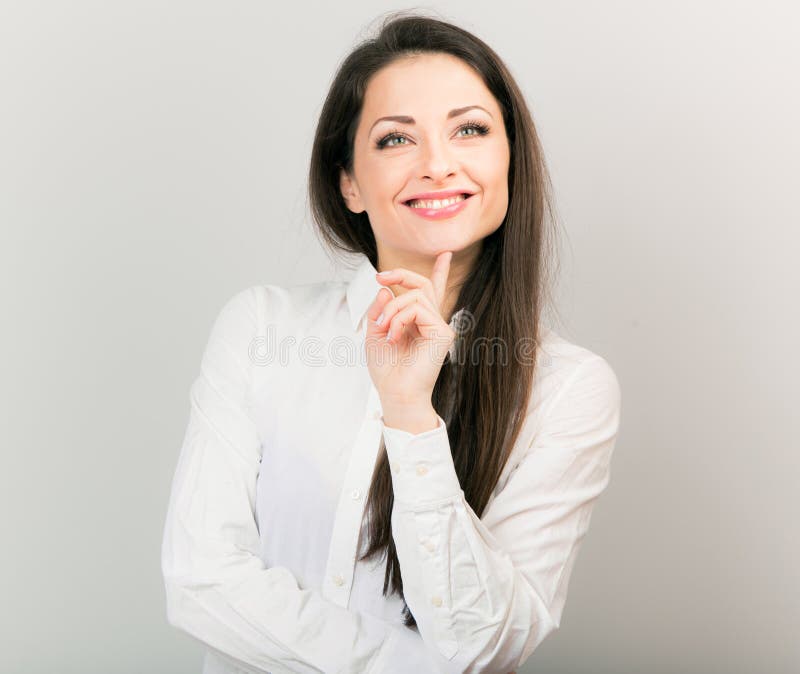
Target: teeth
x,y
436,203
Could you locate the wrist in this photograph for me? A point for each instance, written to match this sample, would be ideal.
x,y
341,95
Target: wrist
x,y
411,416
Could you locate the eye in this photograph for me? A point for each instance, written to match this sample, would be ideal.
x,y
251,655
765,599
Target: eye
x,y
394,135
479,128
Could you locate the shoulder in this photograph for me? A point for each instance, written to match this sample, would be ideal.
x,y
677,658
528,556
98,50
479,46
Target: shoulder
x,y
251,323
250,310
572,380
574,404
565,361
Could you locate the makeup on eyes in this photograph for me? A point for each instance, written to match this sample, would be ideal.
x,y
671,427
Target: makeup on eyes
x,y
481,129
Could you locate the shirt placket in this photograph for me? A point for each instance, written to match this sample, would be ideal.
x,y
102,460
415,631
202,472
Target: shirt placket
x,y
341,563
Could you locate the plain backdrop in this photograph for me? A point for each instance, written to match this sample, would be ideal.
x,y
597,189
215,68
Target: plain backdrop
x,y
153,160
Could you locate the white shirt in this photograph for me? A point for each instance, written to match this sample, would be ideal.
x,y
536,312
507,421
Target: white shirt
x,y
266,506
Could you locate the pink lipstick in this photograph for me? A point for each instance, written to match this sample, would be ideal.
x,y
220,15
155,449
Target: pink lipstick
x,y
440,213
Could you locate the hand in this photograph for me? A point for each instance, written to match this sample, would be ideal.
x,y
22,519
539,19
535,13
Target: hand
x,y
405,367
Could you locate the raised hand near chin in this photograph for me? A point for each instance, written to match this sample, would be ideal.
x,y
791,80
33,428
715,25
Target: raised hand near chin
x,y
404,367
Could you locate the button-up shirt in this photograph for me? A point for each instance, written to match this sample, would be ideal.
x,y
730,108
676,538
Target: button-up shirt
x,y
266,512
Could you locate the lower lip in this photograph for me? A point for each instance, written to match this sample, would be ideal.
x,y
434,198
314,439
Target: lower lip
x,y
439,213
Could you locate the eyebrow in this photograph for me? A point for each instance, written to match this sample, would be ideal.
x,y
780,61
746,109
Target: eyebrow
x,y
405,119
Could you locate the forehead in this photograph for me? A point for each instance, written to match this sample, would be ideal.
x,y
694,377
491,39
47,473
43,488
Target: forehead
x,y
426,84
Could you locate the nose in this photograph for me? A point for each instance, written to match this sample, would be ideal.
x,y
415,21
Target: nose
x,y
436,161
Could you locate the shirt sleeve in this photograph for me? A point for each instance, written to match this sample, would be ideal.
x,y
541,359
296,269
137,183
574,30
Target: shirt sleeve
x,y
487,591
218,589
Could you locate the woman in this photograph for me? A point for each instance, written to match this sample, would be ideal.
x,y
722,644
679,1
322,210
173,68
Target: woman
x,y
421,509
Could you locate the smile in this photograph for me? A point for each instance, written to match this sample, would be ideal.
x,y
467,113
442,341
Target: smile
x,y
437,209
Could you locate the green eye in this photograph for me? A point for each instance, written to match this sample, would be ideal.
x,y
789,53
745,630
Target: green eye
x,y
388,141
480,129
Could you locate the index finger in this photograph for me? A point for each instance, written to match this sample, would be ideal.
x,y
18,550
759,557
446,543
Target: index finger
x,y
441,270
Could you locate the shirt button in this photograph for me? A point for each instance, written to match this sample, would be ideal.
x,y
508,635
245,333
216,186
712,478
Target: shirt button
x,y
436,601
421,469
355,494
338,580
430,546
395,467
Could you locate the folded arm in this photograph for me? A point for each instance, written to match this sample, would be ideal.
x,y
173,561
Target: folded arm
x,y
487,591
217,588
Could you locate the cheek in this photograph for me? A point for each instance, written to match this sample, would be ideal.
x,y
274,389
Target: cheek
x,y
383,185
492,176
369,178
491,167
495,184
499,176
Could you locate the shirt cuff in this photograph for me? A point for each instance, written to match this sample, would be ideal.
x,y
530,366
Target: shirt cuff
x,y
423,473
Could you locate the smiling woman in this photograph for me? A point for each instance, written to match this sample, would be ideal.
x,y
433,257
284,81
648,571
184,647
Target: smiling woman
x,y
414,152
422,510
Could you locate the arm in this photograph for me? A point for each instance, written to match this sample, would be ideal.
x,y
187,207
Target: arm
x,y
217,588
486,592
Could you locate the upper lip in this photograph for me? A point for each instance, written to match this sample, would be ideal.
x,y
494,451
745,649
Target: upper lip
x,y
445,194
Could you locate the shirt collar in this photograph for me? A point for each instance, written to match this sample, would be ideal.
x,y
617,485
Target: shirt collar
x,y
362,289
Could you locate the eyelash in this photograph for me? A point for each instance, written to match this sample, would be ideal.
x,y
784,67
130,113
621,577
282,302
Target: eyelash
x,y
481,128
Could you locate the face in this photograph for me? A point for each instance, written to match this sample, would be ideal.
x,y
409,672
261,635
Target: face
x,y
442,143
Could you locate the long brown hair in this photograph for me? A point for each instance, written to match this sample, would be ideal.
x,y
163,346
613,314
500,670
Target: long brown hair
x,y
482,402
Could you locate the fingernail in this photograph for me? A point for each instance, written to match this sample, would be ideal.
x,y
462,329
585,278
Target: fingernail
x,y
380,320
382,273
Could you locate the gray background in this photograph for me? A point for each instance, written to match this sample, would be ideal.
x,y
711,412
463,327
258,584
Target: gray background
x,y
152,163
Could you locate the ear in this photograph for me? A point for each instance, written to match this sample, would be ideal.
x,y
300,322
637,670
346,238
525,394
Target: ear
x,y
349,191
